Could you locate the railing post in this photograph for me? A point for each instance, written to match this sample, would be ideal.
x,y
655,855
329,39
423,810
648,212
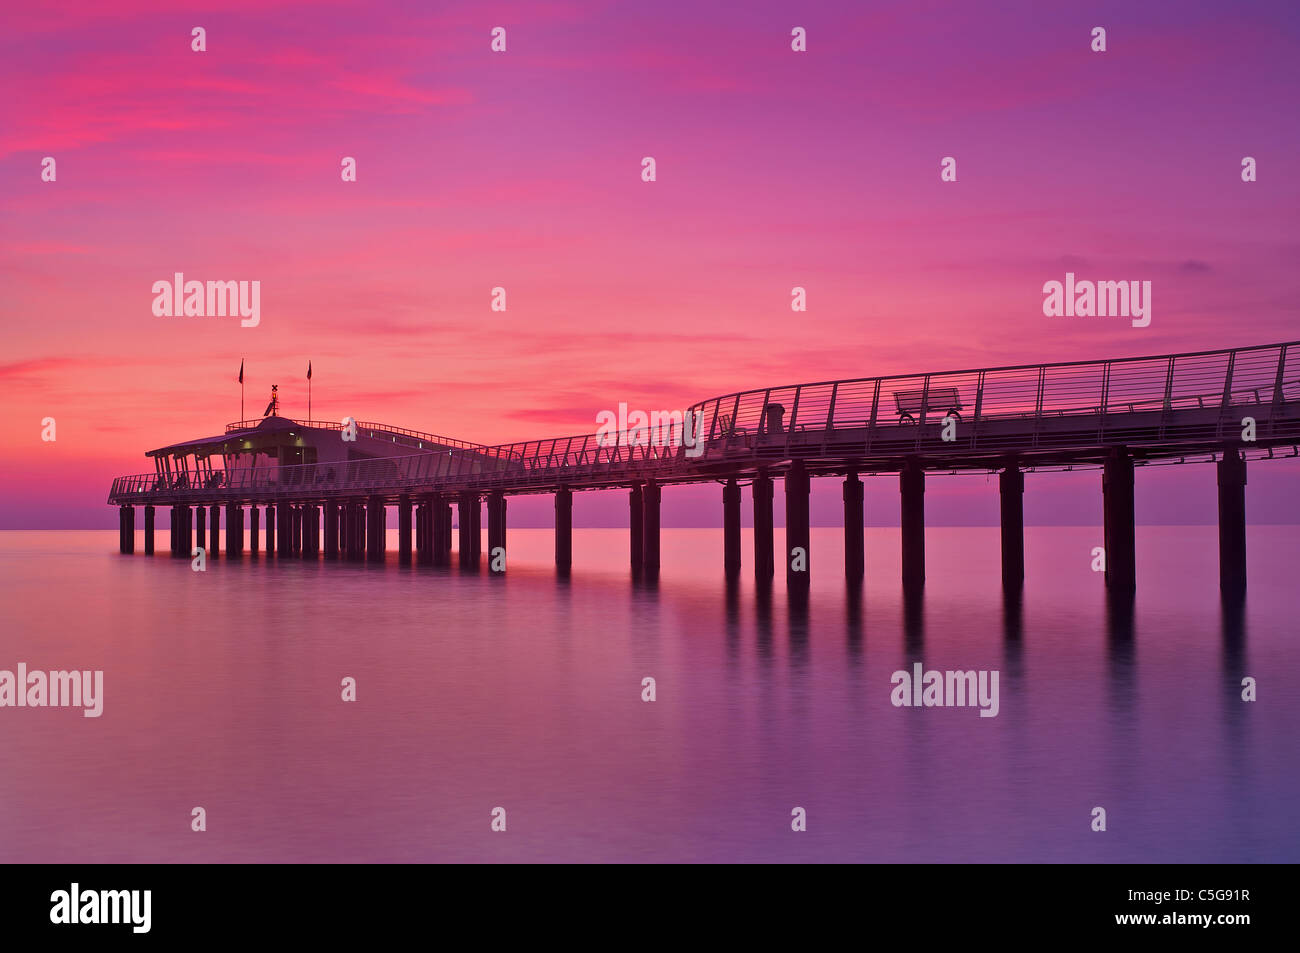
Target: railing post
x,y
979,406
830,416
1105,400
1166,405
1277,391
794,414
871,423
1225,406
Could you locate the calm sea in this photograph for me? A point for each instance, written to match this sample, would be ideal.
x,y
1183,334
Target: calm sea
x,y
222,690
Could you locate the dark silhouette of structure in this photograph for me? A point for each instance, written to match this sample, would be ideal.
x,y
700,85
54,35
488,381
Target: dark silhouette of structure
x,y
1118,415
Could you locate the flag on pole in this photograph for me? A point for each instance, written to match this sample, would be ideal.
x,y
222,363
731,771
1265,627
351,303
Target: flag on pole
x,y
309,370
241,370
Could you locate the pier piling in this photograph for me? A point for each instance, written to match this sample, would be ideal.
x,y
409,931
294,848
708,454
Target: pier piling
x,y
563,529
234,530
1232,522
854,535
468,515
496,507
912,487
148,529
1011,491
636,528
284,530
797,534
731,528
376,524
404,528
331,530
1119,536
764,539
652,494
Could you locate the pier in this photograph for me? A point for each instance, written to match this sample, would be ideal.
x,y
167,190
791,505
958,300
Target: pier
x,y
1227,407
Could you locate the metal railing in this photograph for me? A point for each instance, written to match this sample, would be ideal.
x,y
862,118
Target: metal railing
x,y
1081,404
372,429
1031,394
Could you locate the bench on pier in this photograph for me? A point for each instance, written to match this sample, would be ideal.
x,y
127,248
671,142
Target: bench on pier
x,y
913,403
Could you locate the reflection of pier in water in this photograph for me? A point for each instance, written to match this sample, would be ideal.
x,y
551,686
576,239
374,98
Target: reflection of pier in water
x,y
323,493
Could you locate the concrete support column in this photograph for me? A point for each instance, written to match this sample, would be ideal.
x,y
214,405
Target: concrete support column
x,y
173,518
911,483
1117,508
1011,487
467,513
797,532
653,494
299,512
310,531
855,560
421,543
404,528
430,553
200,527
496,507
284,530
563,529
331,529
376,524
234,530
446,533
214,537
764,540
433,530
636,527
127,519
1232,522
148,529
254,541
272,521
731,528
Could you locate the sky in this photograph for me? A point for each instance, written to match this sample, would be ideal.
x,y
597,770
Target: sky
x,y
522,170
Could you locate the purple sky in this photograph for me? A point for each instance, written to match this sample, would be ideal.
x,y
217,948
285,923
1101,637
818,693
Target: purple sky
x,y
522,170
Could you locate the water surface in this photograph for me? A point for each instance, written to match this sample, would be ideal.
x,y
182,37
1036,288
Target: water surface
x,y
222,690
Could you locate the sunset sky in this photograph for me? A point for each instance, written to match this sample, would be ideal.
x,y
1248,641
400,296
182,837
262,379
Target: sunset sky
x,y
523,170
